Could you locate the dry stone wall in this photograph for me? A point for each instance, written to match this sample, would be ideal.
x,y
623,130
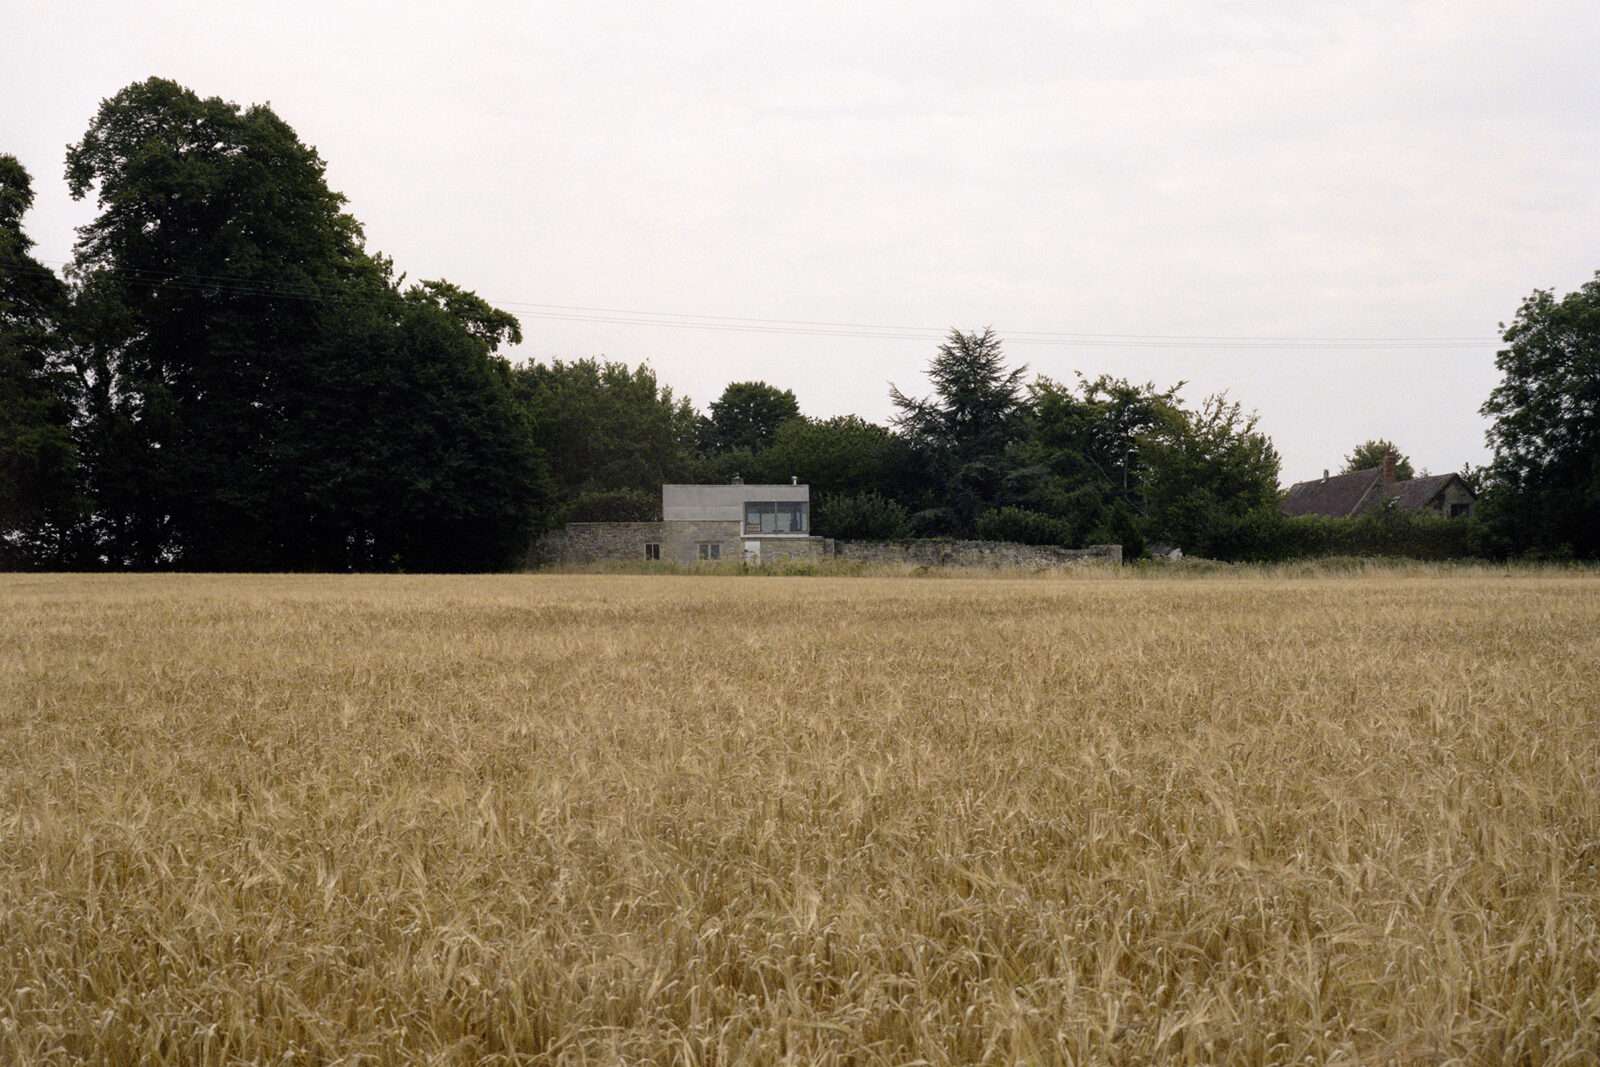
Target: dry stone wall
x,y
942,553
597,542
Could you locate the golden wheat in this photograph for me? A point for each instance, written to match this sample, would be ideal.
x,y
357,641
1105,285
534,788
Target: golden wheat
x,y
725,820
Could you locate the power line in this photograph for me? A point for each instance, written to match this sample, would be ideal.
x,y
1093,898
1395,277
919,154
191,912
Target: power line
x,y
604,315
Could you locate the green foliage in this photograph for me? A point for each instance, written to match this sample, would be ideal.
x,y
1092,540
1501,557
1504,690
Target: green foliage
x,y
1542,491
606,426
1370,454
845,455
747,417
1265,536
1080,461
255,390
1024,527
864,516
960,433
1209,471
38,455
613,505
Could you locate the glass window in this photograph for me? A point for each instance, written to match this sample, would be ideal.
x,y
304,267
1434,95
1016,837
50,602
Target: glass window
x,y
652,551
710,550
775,517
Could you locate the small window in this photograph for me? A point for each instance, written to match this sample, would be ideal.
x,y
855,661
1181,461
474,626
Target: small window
x,y
1458,510
710,550
652,550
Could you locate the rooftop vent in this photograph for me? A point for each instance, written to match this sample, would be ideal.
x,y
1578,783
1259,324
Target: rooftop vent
x,y
737,480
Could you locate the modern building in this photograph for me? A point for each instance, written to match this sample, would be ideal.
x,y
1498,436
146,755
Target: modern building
x,y
1359,492
704,524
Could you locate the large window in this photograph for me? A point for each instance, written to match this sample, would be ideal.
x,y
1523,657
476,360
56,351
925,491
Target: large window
x,y
781,517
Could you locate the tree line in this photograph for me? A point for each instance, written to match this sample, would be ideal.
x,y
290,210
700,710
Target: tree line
x,y
226,378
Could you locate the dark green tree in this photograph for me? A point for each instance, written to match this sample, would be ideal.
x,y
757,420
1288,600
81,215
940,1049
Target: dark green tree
x,y
1543,483
746,417
258,389
962,431
217,249
1082,459
605,426
843,455
1208,475
861,516
38,456
1369,454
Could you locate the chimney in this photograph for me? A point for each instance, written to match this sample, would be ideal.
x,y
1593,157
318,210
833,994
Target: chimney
x,y
794,479
1324,475
1388,468
737,480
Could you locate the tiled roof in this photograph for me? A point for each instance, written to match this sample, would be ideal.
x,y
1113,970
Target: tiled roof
x,y
1338,496
1416,492
1344,495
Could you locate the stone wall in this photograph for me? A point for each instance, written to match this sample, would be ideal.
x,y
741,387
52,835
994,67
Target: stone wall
x,y
596,542
775,549
941,553
580,543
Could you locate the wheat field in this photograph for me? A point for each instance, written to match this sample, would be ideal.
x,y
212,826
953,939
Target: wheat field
x,y
726,820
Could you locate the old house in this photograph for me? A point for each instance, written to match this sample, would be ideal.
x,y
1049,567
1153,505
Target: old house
x,y
1360,492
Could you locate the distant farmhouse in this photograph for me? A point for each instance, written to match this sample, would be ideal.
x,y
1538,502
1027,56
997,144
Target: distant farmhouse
x,y
706,523
1345,496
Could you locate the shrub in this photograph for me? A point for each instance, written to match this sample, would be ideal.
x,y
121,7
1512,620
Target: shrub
x,y
1268,537
1023,527
860,516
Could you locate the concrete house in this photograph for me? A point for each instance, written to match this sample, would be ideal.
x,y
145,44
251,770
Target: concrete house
x,y
1359,492
705,524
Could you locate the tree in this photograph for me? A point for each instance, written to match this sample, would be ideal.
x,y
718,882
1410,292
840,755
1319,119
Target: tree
x,y
962,431
1543,483
259,391
747,416
1370,454
1211,473
843,455
38,455
1082,458
860,516
605,426
976,404
209,269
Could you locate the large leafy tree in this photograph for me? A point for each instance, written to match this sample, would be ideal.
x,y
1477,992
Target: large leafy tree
x,y
1209,474
606,426
207,273
258,389
747,416
1543,483
1082,460
1370,454
843,455
38,456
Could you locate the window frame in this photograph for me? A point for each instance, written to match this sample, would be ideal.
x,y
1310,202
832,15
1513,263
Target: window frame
x,y
709,551
765,512
652,551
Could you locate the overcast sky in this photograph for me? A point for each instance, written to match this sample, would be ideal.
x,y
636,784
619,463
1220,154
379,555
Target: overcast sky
x,y
1159,170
